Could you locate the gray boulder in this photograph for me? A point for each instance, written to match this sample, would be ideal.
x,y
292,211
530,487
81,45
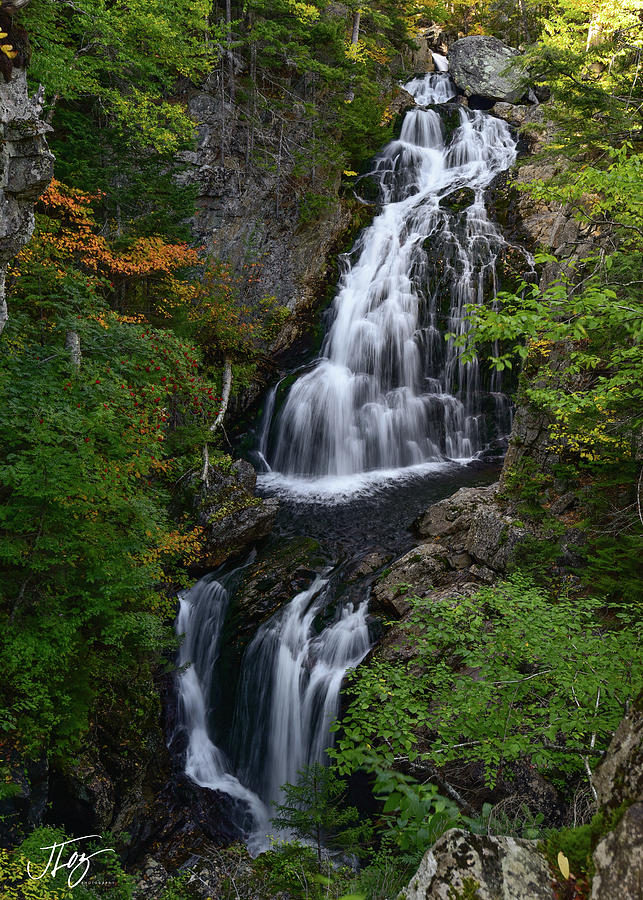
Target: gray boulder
x,y
479,65
618,858
494,537
414,574
482,866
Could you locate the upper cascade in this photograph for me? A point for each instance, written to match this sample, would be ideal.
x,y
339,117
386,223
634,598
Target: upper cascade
x,y
388,391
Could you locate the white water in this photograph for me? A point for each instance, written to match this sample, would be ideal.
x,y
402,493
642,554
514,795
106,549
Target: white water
x,y
288,696
388,398
289,691
202,612
388,391
441,62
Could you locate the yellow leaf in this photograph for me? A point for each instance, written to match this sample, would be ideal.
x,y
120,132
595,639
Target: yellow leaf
x,y
8,50
563,864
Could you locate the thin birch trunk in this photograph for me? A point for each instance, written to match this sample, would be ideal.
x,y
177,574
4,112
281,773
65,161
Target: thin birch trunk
x,y
225,398
357,16
72,343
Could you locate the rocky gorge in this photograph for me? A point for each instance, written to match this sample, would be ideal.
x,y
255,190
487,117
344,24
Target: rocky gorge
x,y
440,536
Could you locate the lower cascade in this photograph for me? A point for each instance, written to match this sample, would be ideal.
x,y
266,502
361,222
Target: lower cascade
x,y
290,684
202,612
388,391
289,694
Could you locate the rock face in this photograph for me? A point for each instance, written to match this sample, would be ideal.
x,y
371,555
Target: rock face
x,y
233,518
483,867
468,537
479,64
252,209
618,858
26,168
474,528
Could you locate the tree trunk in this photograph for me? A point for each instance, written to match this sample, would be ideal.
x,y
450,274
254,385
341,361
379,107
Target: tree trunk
x,y
225,397
357,16
72,343
4,312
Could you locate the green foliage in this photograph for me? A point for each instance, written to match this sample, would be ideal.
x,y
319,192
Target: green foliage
x,y
312,207
555,671
84,486
575,844
123,59
416,815
469,890
506,818
313,810
387,873
294,867
578,844
20,870
601,335
588,55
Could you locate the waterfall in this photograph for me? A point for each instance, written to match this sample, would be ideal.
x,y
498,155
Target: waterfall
x,y
264,431
289,694
441,62
202,612
290,688
388,391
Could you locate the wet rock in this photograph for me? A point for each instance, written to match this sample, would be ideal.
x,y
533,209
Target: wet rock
x,y
23,806
83,798
402,102
618,858
233,518
513,114
370,564
488,867
183,819
458,560
272,581
480,65
459,200
619,777
414,574
483,573
152,880
247,215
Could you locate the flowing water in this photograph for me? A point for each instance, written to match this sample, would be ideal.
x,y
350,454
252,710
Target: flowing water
x,y
388,391
290,685
202,612
365,439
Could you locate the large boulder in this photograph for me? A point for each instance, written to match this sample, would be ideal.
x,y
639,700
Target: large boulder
x,y
480,66
618,858
416,573
486,867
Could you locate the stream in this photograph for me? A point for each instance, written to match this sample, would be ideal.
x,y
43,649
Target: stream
x,y
387,420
